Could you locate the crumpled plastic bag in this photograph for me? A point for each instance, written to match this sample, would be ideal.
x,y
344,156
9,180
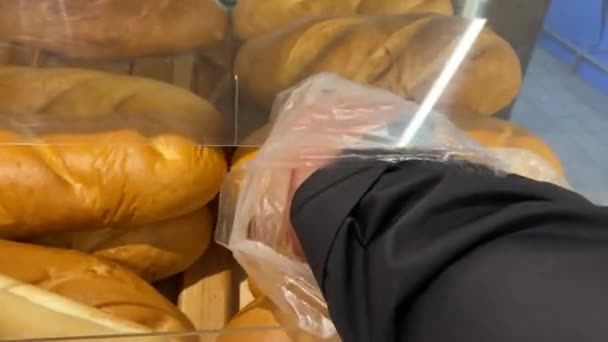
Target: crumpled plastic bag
x,y
318,122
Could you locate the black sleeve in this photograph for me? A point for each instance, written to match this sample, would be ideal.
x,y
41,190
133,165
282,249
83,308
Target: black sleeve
x,y
434,252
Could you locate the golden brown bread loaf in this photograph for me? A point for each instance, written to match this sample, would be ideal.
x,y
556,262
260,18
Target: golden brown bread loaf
x,y
154,252
497,133
77,96
404,54
113,28
93,282
23,302
262,321
253,18
258,314
121,173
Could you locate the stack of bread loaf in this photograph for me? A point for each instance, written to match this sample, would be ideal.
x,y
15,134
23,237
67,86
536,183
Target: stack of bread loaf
x,y
108,115
399,45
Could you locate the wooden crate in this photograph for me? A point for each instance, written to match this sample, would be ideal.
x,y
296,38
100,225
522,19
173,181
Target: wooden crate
x,y
213,289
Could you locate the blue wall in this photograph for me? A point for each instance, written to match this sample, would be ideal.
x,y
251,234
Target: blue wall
x,y
584,24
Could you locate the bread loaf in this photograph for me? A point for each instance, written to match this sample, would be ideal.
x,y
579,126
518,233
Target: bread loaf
x,y
497,133
154,252
94,154
404,54
93,282
258,314
67,99
113,28
64,318
253,18
521,151
262,321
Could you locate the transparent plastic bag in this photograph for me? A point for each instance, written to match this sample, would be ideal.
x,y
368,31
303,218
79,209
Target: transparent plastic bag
x,y
313,124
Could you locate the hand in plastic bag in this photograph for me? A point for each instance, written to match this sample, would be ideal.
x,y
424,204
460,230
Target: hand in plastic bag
x,y
317,121
323,120
314,123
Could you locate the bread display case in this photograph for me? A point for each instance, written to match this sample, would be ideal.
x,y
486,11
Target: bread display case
x,y
122,121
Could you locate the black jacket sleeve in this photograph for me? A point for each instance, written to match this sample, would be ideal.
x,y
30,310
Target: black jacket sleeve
x,y
434,252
